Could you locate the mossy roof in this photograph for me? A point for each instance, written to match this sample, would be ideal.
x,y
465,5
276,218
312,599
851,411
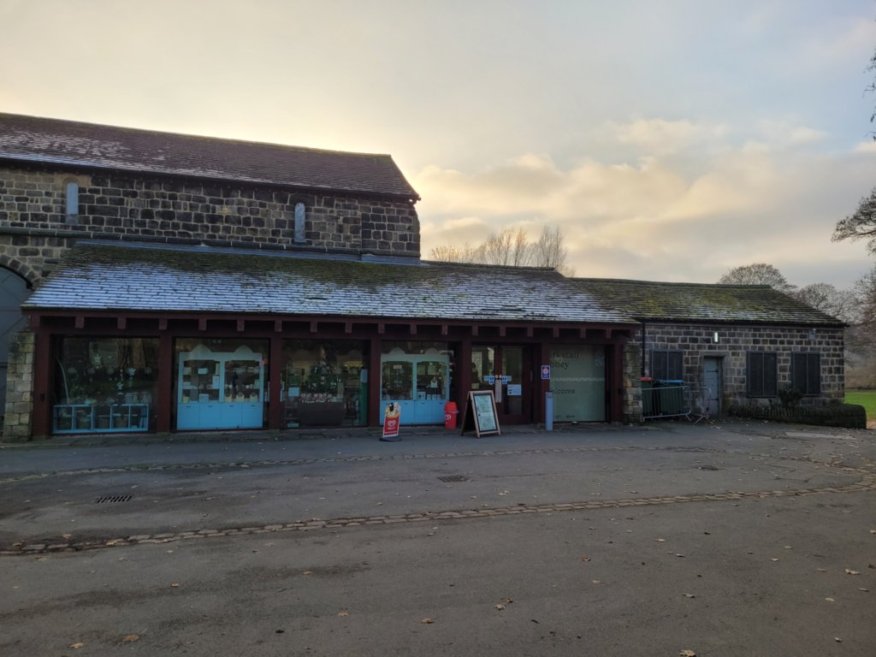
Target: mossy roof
x,y
701,302
53,141
99,276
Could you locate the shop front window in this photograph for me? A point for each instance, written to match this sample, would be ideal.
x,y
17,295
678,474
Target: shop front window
x,y
325,383
416,376
221,383
105,385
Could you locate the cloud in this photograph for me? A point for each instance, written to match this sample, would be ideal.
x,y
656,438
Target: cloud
x,y
661,137
653,219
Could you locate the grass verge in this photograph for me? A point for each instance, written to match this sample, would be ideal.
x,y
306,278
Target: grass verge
x,y
866,398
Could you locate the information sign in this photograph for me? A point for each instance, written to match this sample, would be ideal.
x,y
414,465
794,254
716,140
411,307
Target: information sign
x,y
480,414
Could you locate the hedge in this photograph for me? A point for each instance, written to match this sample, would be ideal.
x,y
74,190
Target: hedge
x,y
850,416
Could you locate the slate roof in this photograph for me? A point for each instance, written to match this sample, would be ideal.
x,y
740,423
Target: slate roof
x,y
700,302
99,276
52,141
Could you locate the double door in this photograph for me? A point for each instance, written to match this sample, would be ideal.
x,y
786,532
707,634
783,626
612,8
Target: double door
x,y
507,371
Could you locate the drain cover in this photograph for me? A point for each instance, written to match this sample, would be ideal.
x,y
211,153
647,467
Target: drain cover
x,y
452,478
113,498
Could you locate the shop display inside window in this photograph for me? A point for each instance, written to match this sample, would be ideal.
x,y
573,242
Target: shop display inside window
x,y
325,383
398,380
430,379
104,385
221,384
200,381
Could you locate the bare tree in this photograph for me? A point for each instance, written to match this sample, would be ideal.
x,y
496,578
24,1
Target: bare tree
x,y
842,304
450,253
551,252
511,247
759,273
861,224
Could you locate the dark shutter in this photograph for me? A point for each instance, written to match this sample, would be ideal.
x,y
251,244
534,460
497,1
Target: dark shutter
x,y
667,365
770,375
806,373
674,367
813,375
762,374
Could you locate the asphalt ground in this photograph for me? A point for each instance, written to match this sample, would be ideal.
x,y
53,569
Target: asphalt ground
x,y
721,539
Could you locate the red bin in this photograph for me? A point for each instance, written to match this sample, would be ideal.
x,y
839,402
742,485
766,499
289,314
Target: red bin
x,y
450,413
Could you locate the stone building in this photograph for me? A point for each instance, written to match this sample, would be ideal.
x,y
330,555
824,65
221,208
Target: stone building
x,y
154,282
731,344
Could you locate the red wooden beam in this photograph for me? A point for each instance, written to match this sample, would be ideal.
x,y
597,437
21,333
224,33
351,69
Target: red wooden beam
x,y
241,325
278,326
79,321
122,323
314,327
202,323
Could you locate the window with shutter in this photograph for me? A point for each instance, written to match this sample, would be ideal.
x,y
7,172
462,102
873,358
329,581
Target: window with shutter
x,y
762,374
667,365
806,373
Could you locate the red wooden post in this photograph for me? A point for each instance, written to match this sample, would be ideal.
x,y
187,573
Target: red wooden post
x,y
164,401
374,396
41,417
276,404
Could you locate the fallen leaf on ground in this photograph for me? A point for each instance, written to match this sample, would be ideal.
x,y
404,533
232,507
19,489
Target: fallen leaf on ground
x,y
507,601
343,612
837,639
174,585
864,590
584,557
680,556
427,621
77,645
661,540
687,653
830,600
500,606
852,572
307,572
689,595
130,638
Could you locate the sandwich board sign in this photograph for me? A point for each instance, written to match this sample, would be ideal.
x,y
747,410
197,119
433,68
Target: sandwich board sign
x,y
480,414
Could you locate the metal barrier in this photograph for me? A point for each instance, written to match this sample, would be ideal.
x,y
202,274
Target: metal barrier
x,y
673,400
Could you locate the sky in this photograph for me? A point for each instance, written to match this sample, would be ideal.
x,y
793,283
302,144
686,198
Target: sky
x,y
668,139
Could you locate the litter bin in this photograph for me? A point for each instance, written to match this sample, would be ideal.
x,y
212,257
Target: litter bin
x,y
450,413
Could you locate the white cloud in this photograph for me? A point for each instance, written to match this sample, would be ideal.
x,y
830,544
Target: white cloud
x,y
661,136
649,219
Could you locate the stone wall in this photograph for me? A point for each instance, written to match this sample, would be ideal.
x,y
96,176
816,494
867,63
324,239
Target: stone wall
x,y
734,343
19,389
35,229
632,408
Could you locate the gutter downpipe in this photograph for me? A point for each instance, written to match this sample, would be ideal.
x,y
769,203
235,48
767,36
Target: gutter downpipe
x,y
642,373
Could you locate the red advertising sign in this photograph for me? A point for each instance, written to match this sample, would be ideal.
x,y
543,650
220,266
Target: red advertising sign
x,y
391,421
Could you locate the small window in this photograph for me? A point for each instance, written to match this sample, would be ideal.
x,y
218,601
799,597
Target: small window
x,y
762,374
806,373
300,233
667,365
71,201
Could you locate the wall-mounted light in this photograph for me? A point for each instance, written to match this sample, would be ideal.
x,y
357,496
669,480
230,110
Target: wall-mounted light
x,y
715,337
812,334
